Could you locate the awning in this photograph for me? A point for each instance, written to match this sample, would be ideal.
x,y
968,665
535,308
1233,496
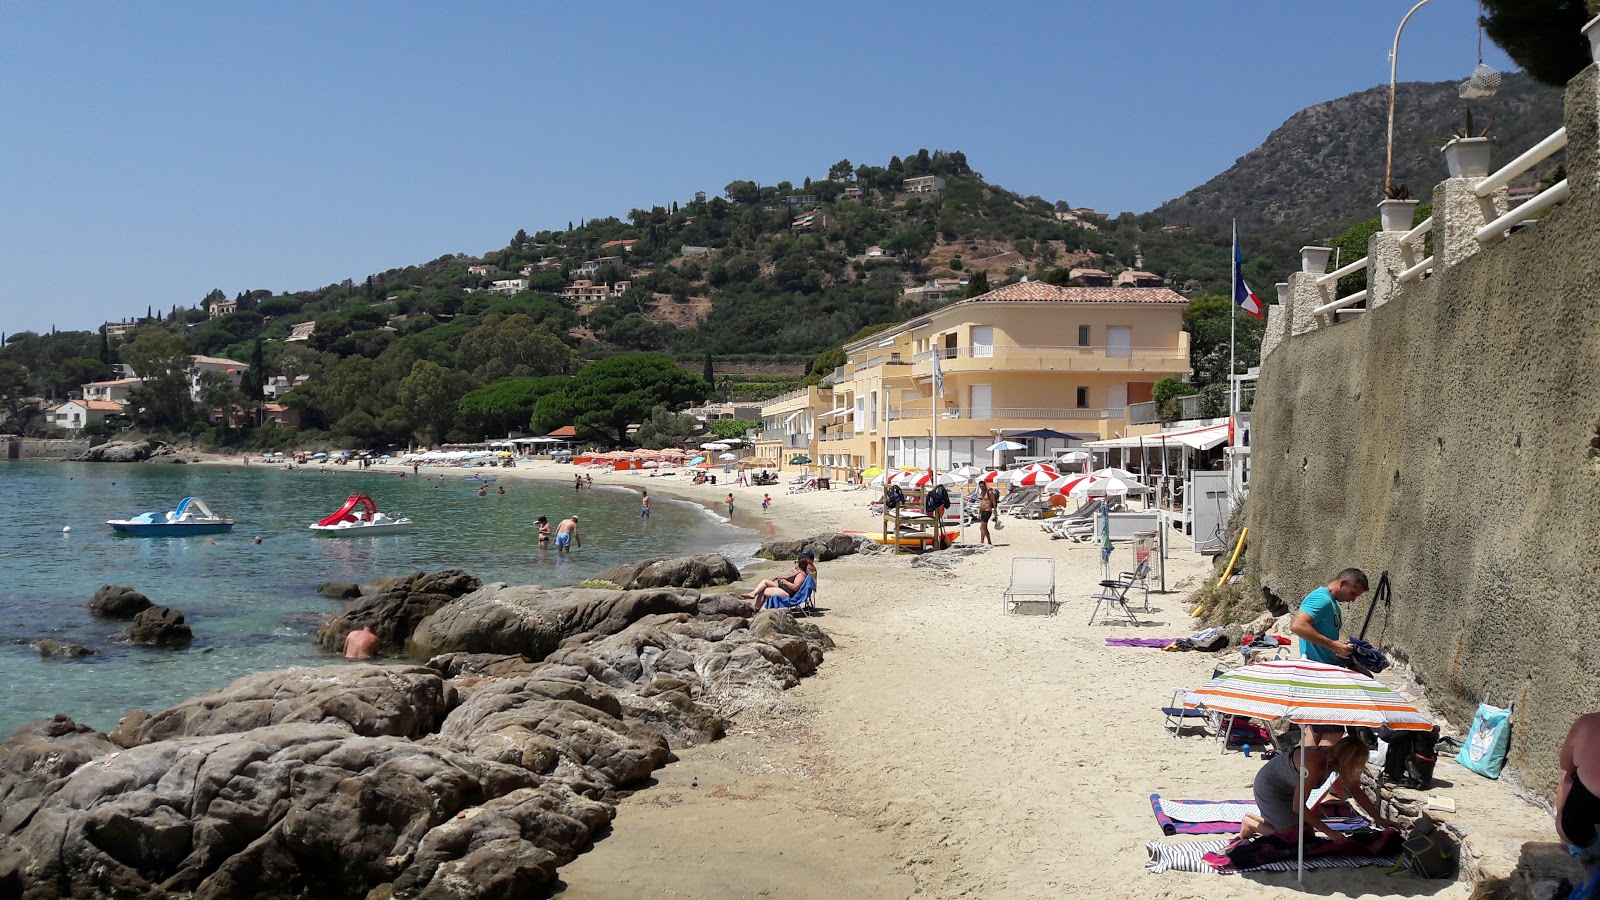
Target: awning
x,y
835,412
792,415
1194,438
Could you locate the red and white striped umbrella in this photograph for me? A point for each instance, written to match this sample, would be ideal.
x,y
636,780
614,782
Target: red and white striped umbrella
x,y
1066,483
922,479
1034,475
990,477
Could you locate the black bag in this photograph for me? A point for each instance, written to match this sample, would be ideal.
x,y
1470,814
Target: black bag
x,y
938,498
894,498
1427,856
1412,757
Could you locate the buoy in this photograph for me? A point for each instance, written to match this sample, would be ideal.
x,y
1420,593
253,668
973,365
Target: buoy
x,y
66,529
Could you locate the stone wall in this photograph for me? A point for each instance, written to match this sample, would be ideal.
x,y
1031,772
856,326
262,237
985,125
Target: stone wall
x,y
1451,436
34,448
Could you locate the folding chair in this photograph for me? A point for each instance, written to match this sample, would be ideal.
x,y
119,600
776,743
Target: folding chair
x,y
1031,576
1114,595
801,603
1174,717
1140,576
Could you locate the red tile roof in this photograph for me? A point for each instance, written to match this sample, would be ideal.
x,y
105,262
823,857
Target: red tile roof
x,y
1042,292
564,431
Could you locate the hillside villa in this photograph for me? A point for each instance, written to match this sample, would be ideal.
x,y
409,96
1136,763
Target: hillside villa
x,y
110,391
509,286
923,184
592,267
224,308
1022,357
301,332
584,291
75,415
120,329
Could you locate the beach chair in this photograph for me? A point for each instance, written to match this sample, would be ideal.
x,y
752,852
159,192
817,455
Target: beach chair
x,y
1174,718
1031,576
1140,578
1113,595
801,602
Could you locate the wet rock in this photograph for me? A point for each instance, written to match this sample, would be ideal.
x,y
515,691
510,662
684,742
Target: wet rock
x,y
339,590
533,621
394,612
364,699
61,650
160,626
706,570
823,546
121,451
118,601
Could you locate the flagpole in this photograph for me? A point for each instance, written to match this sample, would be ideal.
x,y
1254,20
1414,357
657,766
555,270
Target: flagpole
x,y
1233,305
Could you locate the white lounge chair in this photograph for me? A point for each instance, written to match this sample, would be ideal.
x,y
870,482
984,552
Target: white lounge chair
x,y
1031,576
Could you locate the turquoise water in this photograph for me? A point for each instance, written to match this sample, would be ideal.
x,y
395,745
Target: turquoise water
x,y
254,606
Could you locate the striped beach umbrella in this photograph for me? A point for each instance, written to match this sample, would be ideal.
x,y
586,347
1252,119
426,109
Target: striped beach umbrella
x,y
1307,693
1037,474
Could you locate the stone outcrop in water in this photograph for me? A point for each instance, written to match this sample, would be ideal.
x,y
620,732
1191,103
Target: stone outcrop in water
x,y
823,546
708,570
160,626
394,607
121,451
60,650
118,601
339,590
474,777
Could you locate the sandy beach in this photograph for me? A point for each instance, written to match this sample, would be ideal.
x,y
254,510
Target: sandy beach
x,y
946,749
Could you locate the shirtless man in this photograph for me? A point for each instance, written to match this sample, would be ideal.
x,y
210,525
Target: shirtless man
x,y
644,505
361,643
567,535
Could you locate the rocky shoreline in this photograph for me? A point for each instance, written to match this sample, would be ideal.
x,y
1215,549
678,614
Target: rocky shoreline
x,y
475,773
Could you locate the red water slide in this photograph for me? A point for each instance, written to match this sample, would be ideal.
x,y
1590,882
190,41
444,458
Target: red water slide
x,y
343,515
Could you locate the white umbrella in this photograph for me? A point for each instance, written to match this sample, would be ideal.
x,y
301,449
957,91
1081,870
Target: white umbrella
x,y
652,464
966,472
727,456
879,479
714,446
1113,472
1104,486
1033,475
1004,445
1073,456
923,479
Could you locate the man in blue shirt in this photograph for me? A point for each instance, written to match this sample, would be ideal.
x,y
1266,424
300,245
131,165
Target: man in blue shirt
x,y
1319,622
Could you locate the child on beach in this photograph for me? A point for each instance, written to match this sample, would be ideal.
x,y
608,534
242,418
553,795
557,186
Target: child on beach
x,y
766,501
729,501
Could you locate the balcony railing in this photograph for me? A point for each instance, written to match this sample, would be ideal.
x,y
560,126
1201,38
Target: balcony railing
x,y
1146,413
1045,358
787,440
1025,413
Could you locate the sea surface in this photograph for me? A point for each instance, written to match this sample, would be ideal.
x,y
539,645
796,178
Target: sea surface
x,y
254,606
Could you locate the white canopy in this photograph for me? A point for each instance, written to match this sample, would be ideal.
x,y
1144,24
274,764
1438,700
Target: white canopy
x,y
792,415
835,412
1196,438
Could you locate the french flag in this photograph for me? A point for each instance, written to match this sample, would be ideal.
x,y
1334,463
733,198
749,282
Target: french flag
x,y
1243,297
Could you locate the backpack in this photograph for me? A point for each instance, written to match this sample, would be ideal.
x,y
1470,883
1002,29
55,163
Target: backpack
x,y
1411,757
936,498
895,498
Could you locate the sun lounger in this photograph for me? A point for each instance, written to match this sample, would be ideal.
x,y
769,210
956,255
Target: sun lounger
x,y
1031,577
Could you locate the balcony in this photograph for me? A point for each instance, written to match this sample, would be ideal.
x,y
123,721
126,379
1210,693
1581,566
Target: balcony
x,y
788,441
1014,358
1146,413
1024,413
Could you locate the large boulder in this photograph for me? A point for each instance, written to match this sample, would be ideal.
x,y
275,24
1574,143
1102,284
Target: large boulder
x,y
823,546
120,451
60,650
706,570
118,601
394,612
532,621
364,699
37,754
339,590
160,626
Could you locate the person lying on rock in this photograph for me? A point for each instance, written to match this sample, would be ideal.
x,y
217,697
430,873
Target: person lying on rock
x,y
1281,793
361,643
807,567
790,583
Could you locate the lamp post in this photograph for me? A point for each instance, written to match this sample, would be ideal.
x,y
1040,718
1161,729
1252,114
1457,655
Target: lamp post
x,y
1394,53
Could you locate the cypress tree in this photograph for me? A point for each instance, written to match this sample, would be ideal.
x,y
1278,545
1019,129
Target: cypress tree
x,y
710,374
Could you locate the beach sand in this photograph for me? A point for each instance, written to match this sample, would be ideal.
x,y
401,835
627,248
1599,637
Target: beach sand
x,y
944,749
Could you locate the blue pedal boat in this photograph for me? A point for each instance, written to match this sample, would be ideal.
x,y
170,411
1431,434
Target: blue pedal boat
x,y
191,517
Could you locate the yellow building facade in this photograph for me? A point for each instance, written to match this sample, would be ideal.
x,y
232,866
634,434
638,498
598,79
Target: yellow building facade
x,y
1023,357
789,424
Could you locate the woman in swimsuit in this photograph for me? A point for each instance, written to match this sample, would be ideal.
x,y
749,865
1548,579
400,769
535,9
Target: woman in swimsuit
x,y
1278,787
544,532
788,584
1578,798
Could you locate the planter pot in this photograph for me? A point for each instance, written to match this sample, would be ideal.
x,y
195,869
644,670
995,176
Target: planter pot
x,y
1283,293
1592,30
1315,259
1397,215
1468,157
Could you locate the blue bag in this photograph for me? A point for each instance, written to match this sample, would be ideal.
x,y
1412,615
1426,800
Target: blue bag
x,y
1487,742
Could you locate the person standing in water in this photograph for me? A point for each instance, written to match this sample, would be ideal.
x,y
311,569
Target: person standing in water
x,y
544,532
729,501
567,535
644,505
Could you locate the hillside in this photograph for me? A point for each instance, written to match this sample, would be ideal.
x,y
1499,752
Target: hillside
x,y
1325,164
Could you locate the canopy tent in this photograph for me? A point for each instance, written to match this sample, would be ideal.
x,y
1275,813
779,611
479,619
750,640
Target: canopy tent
x,y
1048,434
1205,438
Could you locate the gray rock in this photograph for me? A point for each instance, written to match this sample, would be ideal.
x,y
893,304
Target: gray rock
x,y
395,612
35,756
364,699
707,570
59,649
118,601
339,590
823,546
121,451
160,626
725,605
533,621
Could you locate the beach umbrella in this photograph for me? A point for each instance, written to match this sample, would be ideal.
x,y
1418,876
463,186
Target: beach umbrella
x,y
727,456
697,460
714,445
703,464
651,464
386,456
800,460
966,472
990,477
923,479
1113,472
1104,486
1037,474
319,456
1073,456
266,455
1004,445
1307,693
879,479
279,453
872,472
1065,483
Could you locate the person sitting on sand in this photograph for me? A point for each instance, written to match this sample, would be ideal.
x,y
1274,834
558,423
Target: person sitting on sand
x,y
1280,792
790,583
807,567
361,643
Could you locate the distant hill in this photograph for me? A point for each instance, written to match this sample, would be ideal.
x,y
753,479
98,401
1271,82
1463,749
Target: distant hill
x,y
1325,164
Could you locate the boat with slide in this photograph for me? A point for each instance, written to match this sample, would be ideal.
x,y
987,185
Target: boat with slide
x,y
191,517
359,517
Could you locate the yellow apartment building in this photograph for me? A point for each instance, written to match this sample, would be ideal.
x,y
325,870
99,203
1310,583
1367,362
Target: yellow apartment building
x,y
1022,357
789,424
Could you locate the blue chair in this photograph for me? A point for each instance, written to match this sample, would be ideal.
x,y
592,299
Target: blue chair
x,y
802,601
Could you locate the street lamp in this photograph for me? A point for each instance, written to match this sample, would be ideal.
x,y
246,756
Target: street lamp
x,y
1394,52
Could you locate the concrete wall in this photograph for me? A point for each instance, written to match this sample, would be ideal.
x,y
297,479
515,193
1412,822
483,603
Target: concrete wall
x,y
34,448
1452,437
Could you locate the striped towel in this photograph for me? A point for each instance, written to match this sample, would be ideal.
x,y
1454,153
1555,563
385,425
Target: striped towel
x,y
1186,857
1208,810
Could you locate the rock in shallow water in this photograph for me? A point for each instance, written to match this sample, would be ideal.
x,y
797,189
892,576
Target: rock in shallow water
x,y
120,451
395,611
118,601
160,626
58,649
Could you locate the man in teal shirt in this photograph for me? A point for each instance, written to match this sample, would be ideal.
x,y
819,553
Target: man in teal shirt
x,y
1319,622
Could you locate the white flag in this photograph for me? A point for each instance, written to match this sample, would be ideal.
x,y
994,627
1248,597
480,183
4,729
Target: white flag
x,y
938,376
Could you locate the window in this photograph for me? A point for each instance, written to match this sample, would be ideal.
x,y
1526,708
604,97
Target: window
x,y
1083,335
1083,398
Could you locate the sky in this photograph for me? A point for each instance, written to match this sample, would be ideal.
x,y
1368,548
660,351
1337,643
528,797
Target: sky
x,y
152,152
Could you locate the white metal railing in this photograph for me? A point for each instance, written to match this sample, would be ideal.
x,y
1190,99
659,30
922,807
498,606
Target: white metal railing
x,y
1551,196
1009,412
1417,233
989,351
1534,155
1333,277
1415,272
1339,304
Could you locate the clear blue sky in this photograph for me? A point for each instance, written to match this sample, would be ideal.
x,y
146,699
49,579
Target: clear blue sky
x,y
153,151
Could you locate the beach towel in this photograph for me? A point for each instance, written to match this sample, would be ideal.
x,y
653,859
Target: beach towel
x,y
1189,857
1138,642
1221,816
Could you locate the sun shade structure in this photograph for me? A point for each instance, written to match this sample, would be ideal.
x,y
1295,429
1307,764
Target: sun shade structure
x,y
1307,693
1004,445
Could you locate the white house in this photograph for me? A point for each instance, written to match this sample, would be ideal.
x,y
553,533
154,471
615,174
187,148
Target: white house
x,y
593,266
223,308
692,250
876,252
111,391
923,184
119,329
230,369
483,269
509,286
75,415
